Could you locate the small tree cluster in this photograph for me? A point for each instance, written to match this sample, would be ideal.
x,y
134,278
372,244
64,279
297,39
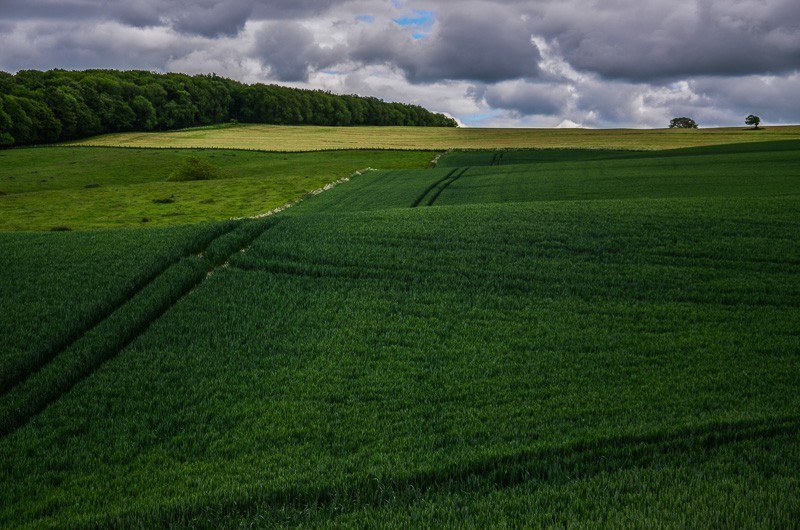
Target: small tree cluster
x,y
753,120
682,123
688,123
194,168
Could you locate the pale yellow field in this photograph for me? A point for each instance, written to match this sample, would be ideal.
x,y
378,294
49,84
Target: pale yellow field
x,y
308,138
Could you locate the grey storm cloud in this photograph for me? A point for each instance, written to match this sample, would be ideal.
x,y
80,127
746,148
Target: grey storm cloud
x,y
489,40
292,9
765,96
290,50
653,39
525,98
200,17
480,44
587,61
212,18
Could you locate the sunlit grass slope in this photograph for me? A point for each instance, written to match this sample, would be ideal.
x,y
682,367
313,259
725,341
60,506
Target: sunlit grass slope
x,y
83,188
410,350
310,138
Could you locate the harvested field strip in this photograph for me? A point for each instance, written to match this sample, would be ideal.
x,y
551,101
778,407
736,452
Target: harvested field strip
x,y
112,334
17,373
444,185
536,467
313,138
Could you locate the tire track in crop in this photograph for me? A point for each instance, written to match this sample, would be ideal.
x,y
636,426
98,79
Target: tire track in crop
x,y
444,185
52,350
547,465
119,329
427,190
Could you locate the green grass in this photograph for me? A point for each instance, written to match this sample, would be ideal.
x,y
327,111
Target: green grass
x,y
603,352
311,138
47,187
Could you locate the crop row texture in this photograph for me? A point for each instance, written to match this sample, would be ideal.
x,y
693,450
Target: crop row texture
x,y
627,357
72,361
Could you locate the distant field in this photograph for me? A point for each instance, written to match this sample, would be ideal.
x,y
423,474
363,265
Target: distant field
x,y
511,339
278,138
91,187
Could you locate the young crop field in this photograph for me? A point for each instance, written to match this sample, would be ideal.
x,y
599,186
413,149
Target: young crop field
x,y
81,188
54,286
513,338
311,138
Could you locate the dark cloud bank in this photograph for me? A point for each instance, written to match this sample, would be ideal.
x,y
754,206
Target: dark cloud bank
x,y
487,62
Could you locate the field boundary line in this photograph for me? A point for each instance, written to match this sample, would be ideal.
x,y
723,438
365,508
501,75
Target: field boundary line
x,y
303,197
435,161
445,185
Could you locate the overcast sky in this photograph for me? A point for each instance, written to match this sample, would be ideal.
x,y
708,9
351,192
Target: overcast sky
x,y
540,63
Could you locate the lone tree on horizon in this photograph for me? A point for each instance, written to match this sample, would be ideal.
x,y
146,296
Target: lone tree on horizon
x,y
682,123
752,120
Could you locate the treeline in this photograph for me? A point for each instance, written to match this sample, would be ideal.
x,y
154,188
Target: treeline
x,y
57,105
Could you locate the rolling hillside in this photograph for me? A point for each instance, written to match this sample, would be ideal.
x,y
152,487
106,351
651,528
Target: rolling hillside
x,y
598,338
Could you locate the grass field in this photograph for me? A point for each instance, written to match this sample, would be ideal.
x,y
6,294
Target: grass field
x,y
286,138
82,188
545,338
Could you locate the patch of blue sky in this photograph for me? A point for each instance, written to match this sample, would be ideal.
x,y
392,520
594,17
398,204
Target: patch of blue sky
x,y
478,119
420,18
420,21
366,18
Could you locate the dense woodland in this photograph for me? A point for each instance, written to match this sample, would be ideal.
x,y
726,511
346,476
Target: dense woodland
x,y
40,107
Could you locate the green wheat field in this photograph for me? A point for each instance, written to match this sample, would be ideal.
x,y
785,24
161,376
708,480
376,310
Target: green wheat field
x,y
604,337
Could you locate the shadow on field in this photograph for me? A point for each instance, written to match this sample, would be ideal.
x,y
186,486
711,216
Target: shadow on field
x,y
534,468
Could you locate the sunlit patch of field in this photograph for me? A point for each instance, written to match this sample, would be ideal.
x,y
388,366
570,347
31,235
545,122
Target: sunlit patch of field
x,y
91,187
311,138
